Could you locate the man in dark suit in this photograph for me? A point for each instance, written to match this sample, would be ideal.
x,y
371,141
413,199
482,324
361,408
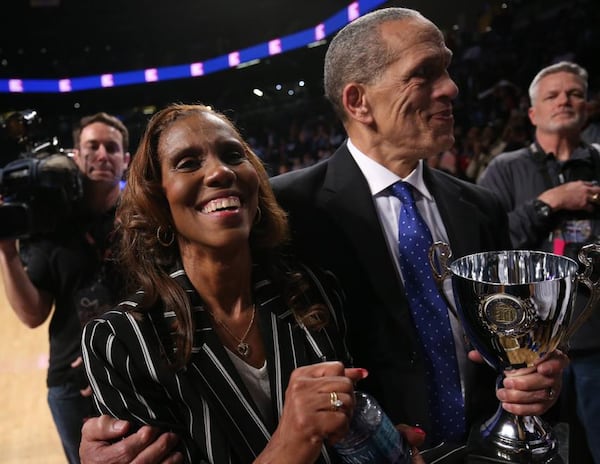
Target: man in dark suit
x,y
335,223
386,76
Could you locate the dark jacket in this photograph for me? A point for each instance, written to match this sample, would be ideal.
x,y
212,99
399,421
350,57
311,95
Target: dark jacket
x,y
518,178
335,224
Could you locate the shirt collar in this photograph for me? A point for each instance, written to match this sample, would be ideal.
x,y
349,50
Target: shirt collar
x,y
581,152
380,178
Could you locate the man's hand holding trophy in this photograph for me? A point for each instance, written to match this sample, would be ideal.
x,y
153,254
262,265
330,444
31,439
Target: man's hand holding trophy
x,y
516,308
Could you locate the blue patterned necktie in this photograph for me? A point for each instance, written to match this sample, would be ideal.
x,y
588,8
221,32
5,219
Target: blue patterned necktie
x,y
430,316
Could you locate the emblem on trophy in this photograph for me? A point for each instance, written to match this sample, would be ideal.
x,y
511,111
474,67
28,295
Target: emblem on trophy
x,y
515,307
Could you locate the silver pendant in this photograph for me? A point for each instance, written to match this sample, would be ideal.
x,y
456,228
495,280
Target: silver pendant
x,y
243,349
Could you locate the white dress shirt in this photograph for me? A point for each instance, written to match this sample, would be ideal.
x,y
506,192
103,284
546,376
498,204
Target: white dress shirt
x,y
388,206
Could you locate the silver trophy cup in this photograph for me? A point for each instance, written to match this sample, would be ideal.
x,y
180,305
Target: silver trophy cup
x,y
515,307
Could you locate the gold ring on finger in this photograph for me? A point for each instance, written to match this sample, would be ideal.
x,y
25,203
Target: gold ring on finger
x,y
335,402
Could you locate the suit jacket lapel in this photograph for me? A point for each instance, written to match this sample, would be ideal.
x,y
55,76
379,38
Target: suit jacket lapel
x,y
282,350
213,374
286,345
457,213
217,379
347,197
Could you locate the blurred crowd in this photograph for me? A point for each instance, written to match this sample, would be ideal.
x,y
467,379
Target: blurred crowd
x,y
493,64
494,59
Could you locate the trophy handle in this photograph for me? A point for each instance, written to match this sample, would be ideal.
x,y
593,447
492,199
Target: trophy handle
x,y
439,255
593,286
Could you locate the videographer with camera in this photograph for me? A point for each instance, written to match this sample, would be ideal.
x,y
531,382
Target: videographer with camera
x,y
70,269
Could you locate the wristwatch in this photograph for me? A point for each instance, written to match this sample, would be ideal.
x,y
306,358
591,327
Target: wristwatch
x,y
542,209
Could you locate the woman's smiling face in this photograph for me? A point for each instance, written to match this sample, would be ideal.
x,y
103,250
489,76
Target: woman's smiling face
x,y
209,183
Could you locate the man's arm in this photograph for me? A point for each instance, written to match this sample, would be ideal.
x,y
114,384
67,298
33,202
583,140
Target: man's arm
x,y
527,227
104,440
31,305
576,195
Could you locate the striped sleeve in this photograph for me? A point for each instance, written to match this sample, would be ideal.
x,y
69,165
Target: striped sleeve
x,y
122,372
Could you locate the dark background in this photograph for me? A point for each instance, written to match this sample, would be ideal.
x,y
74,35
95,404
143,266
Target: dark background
x,y
82,37
70,38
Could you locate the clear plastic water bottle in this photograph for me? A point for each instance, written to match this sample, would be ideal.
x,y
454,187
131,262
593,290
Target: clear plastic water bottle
x,y
372,437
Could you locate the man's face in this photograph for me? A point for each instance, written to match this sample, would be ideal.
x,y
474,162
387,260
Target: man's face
x,y
560,105
411,102
100,155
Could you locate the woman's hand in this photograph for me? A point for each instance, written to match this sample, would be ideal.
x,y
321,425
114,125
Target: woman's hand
x,y
309,415
415,437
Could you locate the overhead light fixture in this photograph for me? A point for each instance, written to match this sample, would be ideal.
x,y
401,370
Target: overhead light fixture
x,y
247,64
318,43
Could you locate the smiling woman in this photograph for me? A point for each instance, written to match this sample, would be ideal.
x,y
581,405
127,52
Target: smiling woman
x,y
210,184
228,341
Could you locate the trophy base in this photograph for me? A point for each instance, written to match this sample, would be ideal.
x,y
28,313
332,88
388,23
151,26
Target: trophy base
x,y
506,438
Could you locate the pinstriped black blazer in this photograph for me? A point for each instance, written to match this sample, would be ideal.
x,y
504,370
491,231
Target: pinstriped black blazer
x,y
206,403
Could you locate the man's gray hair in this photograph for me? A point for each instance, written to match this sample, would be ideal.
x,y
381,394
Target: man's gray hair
x,y
358,53
563,66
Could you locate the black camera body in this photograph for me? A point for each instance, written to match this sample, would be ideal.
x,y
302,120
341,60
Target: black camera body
x,y
40,190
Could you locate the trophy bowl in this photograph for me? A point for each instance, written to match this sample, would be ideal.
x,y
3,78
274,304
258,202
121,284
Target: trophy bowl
x,y
515,307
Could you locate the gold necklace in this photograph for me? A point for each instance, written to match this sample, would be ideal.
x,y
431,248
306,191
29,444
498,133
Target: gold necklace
x,y
242,348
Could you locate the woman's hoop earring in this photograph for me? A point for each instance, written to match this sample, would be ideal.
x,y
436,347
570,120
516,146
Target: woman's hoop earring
x,y
166,238
258,216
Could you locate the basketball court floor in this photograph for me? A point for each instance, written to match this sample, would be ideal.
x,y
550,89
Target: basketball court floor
x,y
27,433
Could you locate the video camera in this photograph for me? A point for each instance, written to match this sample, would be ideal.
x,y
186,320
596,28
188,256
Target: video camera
x,y
41,188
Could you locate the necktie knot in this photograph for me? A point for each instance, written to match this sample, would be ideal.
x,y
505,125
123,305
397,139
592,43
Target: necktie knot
x,y
403,191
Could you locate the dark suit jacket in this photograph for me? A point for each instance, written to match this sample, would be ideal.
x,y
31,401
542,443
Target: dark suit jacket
x,y
334,223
